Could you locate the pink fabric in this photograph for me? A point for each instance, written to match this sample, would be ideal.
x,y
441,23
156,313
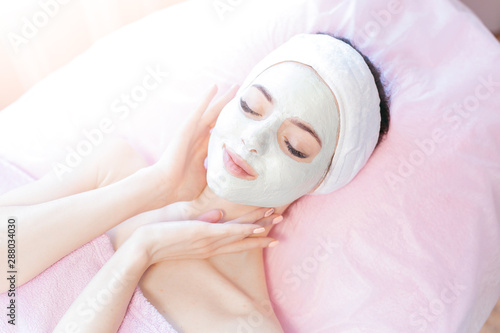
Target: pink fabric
x,y
412,244
42,302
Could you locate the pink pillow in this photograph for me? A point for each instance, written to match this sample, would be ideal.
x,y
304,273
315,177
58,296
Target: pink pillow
x,y
411,245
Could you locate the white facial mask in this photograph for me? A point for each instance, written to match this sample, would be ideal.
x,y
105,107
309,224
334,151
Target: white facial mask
x,y
297,92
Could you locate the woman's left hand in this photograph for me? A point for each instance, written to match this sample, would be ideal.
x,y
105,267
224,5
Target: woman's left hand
x,y
199,240
182,164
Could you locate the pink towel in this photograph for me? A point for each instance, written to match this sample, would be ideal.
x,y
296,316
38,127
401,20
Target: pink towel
x,y
42,302
412,245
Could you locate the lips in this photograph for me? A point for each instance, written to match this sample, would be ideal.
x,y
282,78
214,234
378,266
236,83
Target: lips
x,y
236,165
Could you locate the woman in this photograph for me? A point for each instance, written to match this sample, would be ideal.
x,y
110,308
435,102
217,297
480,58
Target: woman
x,y
306,120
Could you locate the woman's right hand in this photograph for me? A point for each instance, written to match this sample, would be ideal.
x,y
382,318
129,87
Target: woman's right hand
x,y
181,166
199,240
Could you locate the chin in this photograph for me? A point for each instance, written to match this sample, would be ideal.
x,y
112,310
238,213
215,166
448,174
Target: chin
x,y
220,188
225,191
242,192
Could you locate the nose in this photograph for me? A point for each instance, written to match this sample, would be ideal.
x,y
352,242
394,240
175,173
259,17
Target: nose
x,y
256,140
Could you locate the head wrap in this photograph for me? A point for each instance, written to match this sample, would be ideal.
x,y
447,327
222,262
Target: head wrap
x,y
353,86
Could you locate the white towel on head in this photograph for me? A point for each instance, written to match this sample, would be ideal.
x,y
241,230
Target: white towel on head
x,y
352,83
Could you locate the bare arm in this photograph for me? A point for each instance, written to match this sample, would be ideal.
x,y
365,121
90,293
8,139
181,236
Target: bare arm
x,y
117,280
148,245
114,160
48,231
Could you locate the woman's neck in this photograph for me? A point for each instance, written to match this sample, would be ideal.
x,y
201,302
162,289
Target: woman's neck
x,y
208,200
244,269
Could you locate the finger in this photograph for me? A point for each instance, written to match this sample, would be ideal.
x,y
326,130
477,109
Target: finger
x,y
210,116
213,243
211,216
242,230
213,236
270,220
213,232
253,216
246,244
236,232
209,119
206,102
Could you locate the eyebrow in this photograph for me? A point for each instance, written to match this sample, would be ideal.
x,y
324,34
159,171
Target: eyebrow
x,y
306,128
265,92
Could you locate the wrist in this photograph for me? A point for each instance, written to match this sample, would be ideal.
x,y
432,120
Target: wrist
x,y
136,252
161,187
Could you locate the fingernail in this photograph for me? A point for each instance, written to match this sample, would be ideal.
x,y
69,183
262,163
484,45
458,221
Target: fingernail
x,y
269,212
273,243
221,214
278,219
259,230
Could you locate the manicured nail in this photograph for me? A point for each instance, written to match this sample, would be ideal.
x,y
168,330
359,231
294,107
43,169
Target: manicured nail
x,y
278,219
259,230
273,243
269,212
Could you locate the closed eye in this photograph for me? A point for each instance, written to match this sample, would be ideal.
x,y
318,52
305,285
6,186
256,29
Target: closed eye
x,y
247,109
294,151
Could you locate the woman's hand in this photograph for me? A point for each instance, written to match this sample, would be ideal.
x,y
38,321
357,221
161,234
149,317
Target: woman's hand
x,y
181,165
200,240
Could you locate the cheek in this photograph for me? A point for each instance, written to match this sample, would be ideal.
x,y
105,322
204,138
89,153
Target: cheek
x,y
213,154
284,174
221,126
230,121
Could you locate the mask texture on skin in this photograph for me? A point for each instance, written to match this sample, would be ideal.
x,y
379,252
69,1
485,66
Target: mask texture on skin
x,y
298,93
326,83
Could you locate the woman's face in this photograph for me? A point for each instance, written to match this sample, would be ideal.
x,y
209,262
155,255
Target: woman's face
x,y
274,141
